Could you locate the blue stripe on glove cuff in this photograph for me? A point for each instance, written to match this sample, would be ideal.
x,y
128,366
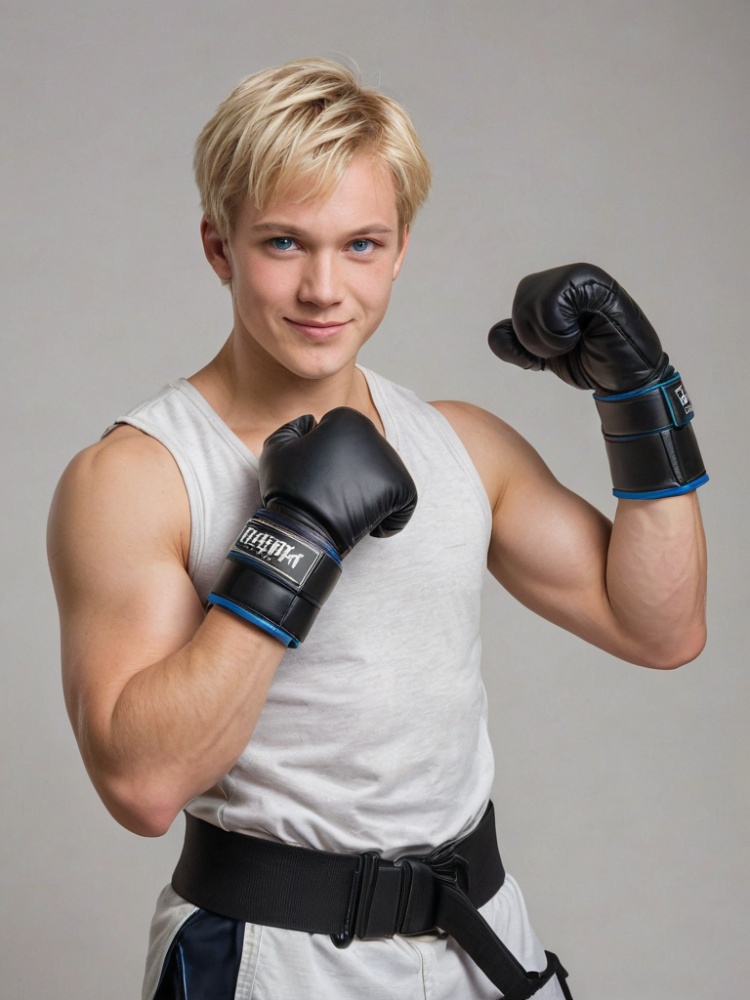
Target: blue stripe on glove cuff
x,y
249,616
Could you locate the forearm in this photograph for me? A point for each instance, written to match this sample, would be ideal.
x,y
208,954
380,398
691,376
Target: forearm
x,y
656,579
164,699
178,725
641,587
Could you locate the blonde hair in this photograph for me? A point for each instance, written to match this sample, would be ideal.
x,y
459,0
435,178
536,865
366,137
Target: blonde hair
x,y
303,122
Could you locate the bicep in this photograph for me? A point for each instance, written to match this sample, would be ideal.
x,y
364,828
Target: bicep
x,y
549,550
124,596
548,546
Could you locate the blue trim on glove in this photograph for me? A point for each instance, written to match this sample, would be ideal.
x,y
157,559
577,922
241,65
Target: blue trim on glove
x,y
249,616
632,393
675,491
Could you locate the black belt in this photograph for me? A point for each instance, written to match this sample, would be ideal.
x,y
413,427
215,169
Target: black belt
x,y
346,896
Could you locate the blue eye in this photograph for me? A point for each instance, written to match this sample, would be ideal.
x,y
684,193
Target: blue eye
x,y
361,246
282,243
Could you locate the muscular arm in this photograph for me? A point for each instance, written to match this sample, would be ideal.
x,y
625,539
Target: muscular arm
x,y
162,700
634,587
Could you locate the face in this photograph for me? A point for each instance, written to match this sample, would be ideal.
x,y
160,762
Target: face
x,y
311,281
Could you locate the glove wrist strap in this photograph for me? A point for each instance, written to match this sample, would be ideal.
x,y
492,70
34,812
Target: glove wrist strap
x,y
650,443
277,576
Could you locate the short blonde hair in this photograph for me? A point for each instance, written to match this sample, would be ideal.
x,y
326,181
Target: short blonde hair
x,y
303,122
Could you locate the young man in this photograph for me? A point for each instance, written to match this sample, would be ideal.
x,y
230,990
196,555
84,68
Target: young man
x,y
313,700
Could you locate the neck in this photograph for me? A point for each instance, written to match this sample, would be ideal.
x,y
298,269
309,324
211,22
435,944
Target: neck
x,y
255,396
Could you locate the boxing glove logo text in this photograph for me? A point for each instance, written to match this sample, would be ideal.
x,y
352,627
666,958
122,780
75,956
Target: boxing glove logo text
x,y
683,398
265,546
285,553
679,403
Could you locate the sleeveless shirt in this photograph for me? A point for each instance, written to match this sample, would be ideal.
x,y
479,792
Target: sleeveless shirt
x,y
374,734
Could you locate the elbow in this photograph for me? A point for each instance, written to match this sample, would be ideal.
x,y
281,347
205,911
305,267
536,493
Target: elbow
x,y
677,653
141,818
140,822
138,806
140,797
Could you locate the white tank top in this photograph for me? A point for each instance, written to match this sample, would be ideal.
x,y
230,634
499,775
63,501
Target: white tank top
x,y
374,734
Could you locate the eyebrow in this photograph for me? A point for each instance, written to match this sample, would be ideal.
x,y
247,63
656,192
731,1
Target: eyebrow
x,y
275,227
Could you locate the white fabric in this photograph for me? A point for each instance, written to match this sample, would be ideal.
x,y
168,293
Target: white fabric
x,y
288,965
374,734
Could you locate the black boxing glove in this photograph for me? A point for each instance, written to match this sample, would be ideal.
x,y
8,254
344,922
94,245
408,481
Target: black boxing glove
x,y
577,322
324,487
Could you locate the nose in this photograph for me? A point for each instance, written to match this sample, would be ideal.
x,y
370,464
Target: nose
x,y
320,281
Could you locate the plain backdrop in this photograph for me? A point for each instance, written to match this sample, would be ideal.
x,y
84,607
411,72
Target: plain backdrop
x,y
602,130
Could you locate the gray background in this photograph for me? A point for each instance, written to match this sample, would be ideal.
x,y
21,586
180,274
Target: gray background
x,y
609,131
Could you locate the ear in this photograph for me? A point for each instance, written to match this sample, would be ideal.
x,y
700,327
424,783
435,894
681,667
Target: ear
x,y
216,250
401,254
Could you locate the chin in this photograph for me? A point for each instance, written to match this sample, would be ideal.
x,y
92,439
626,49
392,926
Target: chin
x,y
321,367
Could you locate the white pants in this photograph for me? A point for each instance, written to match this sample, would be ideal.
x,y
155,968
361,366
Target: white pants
x,y
289,965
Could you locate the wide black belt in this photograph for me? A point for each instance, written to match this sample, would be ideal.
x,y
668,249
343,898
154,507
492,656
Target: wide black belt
x,y
346,896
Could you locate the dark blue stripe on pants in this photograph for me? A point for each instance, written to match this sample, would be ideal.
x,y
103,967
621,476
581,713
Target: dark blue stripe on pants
x,y
203,961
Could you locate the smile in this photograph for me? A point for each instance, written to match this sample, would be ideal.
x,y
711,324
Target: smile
x,y
316,331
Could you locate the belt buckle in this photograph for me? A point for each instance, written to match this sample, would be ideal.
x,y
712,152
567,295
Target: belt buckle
x,y
373,882
388,898
400,897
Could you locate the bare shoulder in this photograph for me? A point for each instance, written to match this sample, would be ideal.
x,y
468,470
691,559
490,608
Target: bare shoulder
x,y
125,488
501,455
124,447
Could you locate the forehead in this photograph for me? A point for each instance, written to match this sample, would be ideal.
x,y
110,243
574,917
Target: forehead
x,y
364,198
